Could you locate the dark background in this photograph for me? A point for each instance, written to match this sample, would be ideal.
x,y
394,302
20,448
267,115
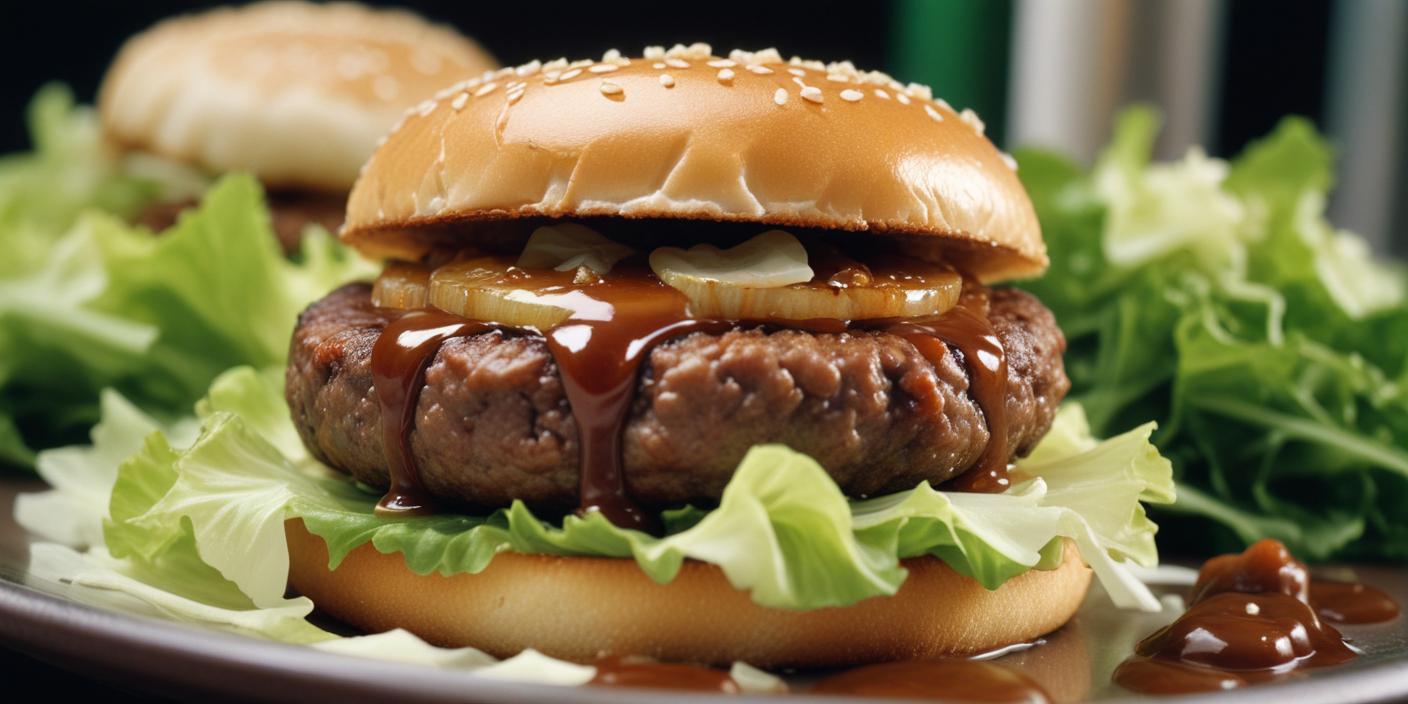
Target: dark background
x,y
1265,74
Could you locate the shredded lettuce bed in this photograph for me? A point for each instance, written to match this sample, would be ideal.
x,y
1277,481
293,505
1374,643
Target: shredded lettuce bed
x,y
1214,297
88,302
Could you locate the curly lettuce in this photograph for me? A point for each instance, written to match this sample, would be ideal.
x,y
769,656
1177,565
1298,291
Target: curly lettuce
x,y
1214,297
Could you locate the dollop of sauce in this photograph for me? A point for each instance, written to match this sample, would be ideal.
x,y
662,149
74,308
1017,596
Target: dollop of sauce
x,y
1252,617
646,674
1352,602
1266,567
952,680
611,325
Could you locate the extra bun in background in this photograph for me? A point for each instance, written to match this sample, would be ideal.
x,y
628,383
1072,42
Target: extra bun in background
x,y
294,92
582,608
686,134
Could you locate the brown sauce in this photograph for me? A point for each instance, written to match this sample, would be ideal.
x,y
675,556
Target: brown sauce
x,y
1351,602
953,680
610,326
399,359
626,672
967,328
1252,617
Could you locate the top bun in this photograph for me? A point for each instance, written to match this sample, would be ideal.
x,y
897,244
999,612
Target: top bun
x,y
294,92
685,134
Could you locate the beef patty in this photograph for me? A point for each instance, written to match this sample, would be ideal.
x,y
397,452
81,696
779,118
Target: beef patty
x,y
493,423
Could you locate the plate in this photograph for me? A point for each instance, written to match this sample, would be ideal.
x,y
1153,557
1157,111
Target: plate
x,y
189,662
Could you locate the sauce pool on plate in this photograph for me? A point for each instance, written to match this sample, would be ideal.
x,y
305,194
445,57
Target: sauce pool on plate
x,y
1253,617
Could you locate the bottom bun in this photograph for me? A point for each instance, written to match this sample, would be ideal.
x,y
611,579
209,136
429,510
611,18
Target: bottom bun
x,y
583,608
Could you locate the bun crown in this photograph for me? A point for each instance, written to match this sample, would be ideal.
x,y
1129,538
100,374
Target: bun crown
x,y
685,134
294,92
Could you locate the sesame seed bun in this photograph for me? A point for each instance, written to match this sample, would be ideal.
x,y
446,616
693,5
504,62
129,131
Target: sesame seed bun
x,y
581,608
294,92
686,134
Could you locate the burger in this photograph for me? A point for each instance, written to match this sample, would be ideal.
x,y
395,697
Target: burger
x,y
295,93
614,288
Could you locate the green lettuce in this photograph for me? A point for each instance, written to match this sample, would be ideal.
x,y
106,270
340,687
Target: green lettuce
x,y
1214,297
154,317
782,531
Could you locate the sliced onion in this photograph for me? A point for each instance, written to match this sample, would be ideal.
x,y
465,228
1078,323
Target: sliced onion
x,y
569,246
774,258
768,278
402,286
492,288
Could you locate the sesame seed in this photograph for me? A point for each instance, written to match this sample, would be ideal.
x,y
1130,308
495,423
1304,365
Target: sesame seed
x,y
654,52
673,62
1009,161
485,89
515,96
667,80
581,63
551,76
611,55
723,63
800,83
944,104
811,93
780,96
426,108
881,94
933,113
1253,609
851,95
604,68
797,72
972,119
904,99
838,78
529,68
726,75
760,70
609,88
658,65
459,102
570,74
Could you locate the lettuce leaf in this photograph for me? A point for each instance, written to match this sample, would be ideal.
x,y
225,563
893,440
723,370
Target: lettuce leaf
x,y
1214,297
782,531
153,317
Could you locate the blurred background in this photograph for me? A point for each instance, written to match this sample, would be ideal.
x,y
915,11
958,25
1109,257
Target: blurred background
x,y
1040,72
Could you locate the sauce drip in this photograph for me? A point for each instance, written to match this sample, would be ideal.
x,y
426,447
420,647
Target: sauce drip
x,y
1252,618
627,672
952,680
610,324
967,328
399,359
